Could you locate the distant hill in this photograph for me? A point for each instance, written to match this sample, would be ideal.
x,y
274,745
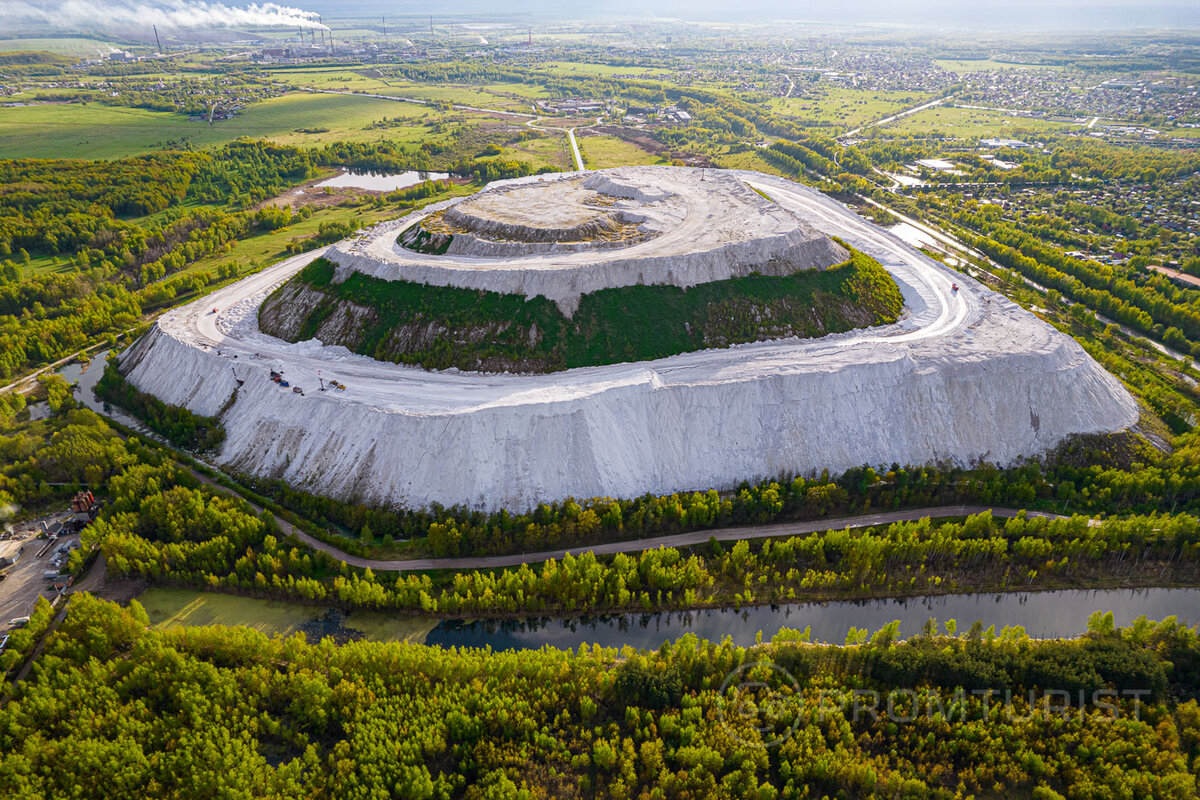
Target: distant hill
x,y
32,58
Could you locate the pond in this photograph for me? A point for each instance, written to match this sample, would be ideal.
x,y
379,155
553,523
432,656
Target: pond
x,y
380,183
86,376
1042,614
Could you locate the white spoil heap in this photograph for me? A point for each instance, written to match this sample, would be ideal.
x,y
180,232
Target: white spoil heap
x,y
964,376
564,236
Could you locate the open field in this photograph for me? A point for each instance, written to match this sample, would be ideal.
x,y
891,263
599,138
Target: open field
x,y
460,95
173,608
985,65
550,149
93,131
340,78
269,247
65,45
581,68
368,80
972,122
748,159
847,107
601,152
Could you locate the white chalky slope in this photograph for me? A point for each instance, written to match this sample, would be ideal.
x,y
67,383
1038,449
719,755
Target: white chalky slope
x,y
964,376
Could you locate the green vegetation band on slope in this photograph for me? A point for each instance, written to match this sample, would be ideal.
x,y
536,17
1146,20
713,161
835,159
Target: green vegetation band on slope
x,y
440,327
179,426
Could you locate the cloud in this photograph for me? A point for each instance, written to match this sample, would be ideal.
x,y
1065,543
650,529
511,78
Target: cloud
x,y
76,14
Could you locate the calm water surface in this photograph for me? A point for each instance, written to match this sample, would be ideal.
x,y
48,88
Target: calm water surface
x,y
381,183
1042,614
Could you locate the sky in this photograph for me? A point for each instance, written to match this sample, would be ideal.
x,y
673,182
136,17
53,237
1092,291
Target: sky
x,y
1023,14
961,13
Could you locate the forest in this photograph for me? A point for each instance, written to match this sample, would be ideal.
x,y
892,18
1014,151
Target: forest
x,y
90,249
114,709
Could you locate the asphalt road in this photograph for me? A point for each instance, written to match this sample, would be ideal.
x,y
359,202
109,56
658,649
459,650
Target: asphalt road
x,y
677,540
630,546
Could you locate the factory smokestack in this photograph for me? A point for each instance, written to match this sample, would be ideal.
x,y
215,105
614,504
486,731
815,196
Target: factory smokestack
x,y
157,40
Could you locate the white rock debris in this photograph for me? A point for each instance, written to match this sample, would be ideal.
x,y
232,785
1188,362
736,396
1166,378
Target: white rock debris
x,y
964,376
524,236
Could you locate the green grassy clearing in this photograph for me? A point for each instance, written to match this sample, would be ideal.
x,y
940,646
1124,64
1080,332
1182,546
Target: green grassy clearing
x,y
94,131
748,159
550,149
458,94
333,78
362,80
174,608
583,68
600,152
267,248
847,107
964,65
66,45
972,122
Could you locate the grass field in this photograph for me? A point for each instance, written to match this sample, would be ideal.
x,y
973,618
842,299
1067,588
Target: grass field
x,y
581,68
496,96
331,78
847,107
458,94
550,149
751,160
600,152
971,122
66,45
94,131
173,608
963,65
267,248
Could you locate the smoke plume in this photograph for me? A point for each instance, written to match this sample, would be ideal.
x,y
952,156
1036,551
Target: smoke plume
x,y
83,14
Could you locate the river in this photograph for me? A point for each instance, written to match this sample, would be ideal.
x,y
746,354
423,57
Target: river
x,y
1042,614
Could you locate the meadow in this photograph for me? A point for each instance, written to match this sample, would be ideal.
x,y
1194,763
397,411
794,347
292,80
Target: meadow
x,y
973,122
601,152
62,45
583,68
964,65
300,118
848,108
174,608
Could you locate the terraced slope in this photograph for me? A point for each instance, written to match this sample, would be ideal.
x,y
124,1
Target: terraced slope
x,y
440,326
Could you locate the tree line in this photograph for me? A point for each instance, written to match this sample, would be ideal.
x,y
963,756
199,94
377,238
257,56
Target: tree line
x,y
117,709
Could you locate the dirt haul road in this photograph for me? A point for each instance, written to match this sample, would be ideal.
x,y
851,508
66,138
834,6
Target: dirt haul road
x,y
964,375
